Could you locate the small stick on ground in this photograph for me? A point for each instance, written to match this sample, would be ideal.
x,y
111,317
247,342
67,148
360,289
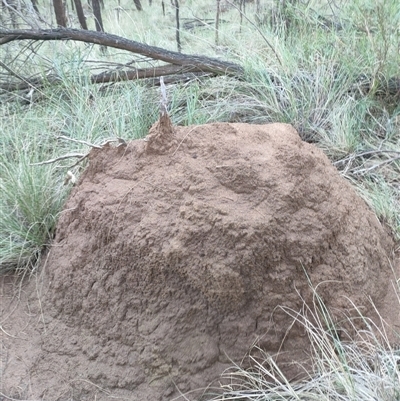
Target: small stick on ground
x,y
67,156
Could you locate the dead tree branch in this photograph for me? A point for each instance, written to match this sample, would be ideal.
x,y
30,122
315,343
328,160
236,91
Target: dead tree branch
x,y
142,73
201,63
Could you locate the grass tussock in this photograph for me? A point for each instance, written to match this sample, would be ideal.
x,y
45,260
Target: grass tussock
x,y
360,366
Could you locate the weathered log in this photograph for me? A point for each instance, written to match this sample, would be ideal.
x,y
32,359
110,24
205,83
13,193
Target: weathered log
x,y
143,73
171,74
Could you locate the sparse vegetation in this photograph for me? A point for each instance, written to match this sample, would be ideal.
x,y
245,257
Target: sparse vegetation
x,y
328,68
361,367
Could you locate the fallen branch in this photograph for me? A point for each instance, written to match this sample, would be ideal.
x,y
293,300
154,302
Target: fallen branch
x,y
28,83
143,73
172,74
201,63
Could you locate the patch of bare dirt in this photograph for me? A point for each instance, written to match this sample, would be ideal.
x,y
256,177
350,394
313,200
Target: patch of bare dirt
x,y
172,257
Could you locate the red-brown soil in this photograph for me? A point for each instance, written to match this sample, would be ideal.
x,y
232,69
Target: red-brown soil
x,y
172,257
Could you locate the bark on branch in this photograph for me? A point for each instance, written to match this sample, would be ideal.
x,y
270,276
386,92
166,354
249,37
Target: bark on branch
x,y
200,63
143,73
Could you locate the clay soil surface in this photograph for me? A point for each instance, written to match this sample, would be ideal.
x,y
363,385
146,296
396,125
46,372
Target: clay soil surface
x,y
173,256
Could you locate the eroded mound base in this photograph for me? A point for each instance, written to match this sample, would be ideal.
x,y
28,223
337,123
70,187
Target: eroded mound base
x,y
167,265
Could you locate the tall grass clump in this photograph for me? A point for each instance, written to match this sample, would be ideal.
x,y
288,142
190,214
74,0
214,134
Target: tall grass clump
x,y
32,196
360,366
383,198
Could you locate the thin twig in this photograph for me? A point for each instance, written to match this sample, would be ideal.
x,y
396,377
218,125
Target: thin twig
x,y
258,30
375,166
79,141
27,21
180,143
120,141
12,399
107,392
76,163
12,72
7,334
370,152
81,156
67,156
